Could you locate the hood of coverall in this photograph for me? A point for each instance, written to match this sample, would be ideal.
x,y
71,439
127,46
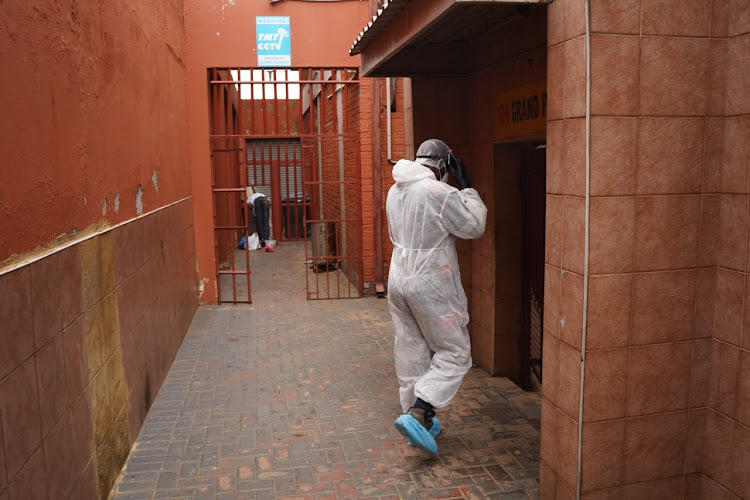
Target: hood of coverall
x,y
407,170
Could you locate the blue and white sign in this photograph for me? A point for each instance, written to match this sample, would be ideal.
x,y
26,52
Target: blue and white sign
x,y
273,41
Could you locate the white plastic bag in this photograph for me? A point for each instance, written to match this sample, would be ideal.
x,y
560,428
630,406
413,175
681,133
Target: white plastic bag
x,y
253,243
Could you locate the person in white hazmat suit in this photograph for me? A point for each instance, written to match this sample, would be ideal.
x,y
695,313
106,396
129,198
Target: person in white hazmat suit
x,y
428,304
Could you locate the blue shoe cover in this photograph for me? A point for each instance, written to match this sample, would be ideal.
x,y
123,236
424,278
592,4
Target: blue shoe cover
x,y
416,434
434,430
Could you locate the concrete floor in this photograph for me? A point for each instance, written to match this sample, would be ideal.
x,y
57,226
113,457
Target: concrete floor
x,y
290,398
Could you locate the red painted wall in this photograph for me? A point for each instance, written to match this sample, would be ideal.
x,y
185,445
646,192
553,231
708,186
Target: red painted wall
x,y
93,106
221,33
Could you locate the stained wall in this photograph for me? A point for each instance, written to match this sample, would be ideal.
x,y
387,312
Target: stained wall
x,y
97,284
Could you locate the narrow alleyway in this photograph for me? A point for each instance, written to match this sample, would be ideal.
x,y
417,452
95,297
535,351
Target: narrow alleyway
x,y
289,398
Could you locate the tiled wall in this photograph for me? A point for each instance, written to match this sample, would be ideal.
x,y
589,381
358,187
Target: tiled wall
x,y
725,462
666,370
564,247
88,335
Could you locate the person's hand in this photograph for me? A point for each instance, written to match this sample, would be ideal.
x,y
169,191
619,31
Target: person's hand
x,y
458,171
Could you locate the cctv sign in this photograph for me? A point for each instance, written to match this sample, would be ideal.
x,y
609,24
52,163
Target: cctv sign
x,y
273,41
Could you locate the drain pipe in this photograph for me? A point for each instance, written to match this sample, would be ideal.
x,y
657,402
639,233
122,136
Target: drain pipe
x,y
377,189
586,240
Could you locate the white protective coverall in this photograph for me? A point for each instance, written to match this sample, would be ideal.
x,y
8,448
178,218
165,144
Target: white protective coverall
x,y
428,304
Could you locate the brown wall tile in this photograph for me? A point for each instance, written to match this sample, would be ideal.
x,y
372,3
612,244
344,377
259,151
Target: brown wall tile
x,y
659,378
58,453
613,164
611,235
605,390
695,436
711,490
746,317
725,364
693,487
574,80
573,234
605,494
549,434
739,18
615,71
670,155
551,364
710,231
98,277
50,372
713,164
83,430
666,88
571,304
3,475
547,479
738,74
76,373
31,481
729,305
699,373
574,157
555,81
88,484
663,489
555,23
555,150
654,447
602,458
563,491
741,462
736,166
717,77
55,305
616,16
575,18
567,448
720,18
21,420
705,298
686,18
717,460
569,384
609,311
666,232
16,318
663,307
743,396
553,231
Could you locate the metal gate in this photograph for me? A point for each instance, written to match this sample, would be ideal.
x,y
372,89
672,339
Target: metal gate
x,y
292,135
533,178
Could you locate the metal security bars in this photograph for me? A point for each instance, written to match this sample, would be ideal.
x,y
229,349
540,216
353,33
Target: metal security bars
x,y
293,135
533,178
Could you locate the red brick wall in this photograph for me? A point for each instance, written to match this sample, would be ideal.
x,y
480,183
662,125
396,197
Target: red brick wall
x,y
398,151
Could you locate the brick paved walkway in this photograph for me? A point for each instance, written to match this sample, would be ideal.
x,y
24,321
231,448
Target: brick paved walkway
x,y
289,398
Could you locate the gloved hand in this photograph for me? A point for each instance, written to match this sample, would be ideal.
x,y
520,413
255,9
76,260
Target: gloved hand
x,y
458,171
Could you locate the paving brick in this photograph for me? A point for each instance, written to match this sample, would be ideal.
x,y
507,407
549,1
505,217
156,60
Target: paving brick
x,y
289,398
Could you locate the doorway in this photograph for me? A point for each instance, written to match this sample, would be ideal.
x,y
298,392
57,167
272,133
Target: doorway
x,y
520,187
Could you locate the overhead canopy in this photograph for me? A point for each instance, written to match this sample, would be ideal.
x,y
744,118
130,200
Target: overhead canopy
x,y
416,37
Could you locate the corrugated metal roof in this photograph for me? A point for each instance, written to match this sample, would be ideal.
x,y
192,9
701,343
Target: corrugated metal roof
x,y
379,23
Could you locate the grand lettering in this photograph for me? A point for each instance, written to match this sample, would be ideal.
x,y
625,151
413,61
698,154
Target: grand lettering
x,y
524,109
